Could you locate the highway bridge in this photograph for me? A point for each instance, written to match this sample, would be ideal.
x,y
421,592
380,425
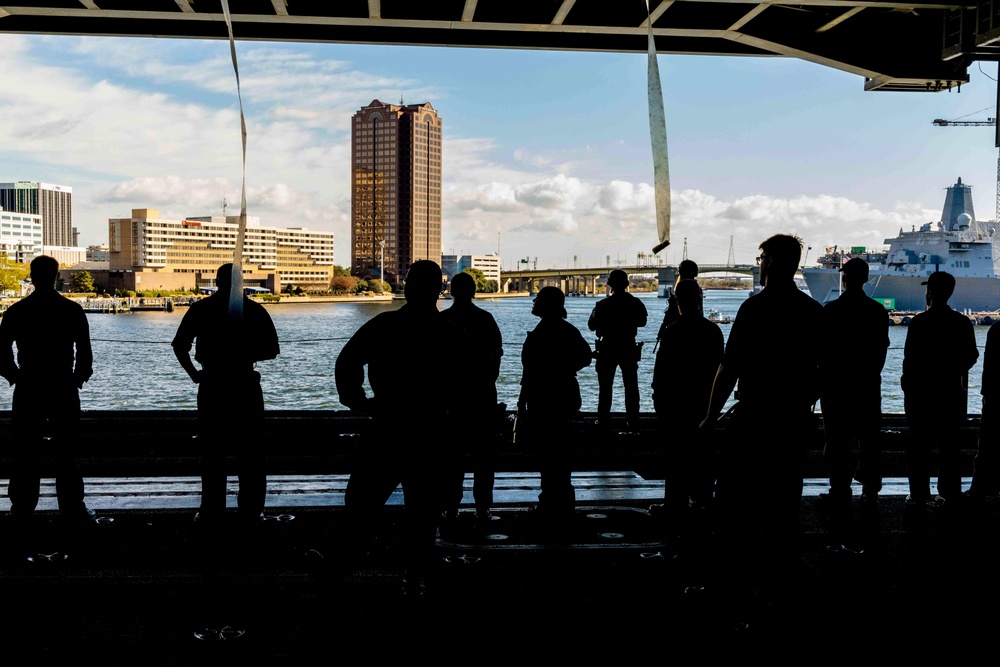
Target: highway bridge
x,y
583,280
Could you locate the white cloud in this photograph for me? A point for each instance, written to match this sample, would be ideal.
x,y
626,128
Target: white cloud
x,y
134,127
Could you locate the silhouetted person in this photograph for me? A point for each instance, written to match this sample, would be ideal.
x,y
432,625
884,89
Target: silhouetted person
x,y
552,354
683,373
855,337
985,475
616,319
230,398
474,402
775,364
939,351
686,270
54,360
411,386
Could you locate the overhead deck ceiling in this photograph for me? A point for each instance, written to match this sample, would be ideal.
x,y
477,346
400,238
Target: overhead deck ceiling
x,y
919,46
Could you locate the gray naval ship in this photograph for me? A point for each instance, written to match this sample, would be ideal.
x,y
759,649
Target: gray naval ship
x,y
958,244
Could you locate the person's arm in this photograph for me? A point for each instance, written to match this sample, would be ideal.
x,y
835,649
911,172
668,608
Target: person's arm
x,y
83,368
722,387
349,372
269,348
582,354
971,349
642,315
523,394
8,368
181,344
496,345
594,320
884,343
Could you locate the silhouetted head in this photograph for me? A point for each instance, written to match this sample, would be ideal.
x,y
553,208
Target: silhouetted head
x,y
688,294
549,302
423,282
618,280
463,287
224,277
779,257
855,269
687,270
44,270
940,286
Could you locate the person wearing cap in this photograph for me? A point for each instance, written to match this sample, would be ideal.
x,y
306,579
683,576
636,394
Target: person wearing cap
x,y
940,349
551,356
855,338
617,319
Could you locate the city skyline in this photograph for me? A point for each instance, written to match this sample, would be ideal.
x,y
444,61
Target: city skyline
x,y
546,154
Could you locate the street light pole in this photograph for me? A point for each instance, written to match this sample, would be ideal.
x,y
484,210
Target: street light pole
x,y
381,261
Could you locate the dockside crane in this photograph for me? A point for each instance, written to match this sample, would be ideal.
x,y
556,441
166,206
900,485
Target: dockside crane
x,y
989,122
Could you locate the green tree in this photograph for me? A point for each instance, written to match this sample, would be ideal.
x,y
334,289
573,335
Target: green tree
x,y
363,286
11,275
492,286
340,271
479,277
379,286
81,281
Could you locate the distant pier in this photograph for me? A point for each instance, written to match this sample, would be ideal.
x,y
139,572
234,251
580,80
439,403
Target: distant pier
x,y
113,305
985,318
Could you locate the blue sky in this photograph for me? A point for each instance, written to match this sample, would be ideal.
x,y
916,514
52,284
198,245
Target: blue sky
x,y
550,150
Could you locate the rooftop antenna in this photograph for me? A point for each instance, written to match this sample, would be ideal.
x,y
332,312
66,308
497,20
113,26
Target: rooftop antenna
x,y
401,100
223,206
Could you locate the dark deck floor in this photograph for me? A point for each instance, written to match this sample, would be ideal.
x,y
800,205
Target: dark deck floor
x,y
139,585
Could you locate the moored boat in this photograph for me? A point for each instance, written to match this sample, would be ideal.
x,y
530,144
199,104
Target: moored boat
x,y
958,244
716,316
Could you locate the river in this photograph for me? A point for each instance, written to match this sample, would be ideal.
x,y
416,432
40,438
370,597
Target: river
x,y
135,369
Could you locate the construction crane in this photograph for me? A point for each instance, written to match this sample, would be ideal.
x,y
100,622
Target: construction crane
x,y
989,122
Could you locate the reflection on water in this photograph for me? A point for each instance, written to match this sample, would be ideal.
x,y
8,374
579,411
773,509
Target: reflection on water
x,y
135,368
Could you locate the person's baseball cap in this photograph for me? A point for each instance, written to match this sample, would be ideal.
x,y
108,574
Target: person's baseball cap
x,y
940,281
855,268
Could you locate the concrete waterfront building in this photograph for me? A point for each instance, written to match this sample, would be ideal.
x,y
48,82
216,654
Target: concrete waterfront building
x,y
54,203
20,235
66,255
98,253
147,252
395,189
488,264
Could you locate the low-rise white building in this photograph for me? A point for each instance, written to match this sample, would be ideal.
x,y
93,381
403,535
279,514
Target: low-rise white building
x,y
20,236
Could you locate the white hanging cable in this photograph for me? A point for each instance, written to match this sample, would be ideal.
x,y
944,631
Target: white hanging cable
x,y
236,289
658,140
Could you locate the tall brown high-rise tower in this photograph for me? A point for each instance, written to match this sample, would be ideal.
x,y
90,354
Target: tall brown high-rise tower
x,y
395,188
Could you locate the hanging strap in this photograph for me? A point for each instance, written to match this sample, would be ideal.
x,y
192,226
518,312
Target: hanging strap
x,y
658,139
236,289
